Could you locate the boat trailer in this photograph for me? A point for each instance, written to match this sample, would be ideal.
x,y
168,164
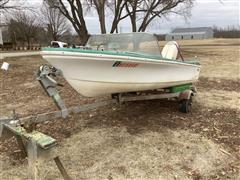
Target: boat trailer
x,y
35,145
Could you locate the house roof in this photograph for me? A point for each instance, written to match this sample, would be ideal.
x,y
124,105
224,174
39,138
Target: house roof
x,y
191,30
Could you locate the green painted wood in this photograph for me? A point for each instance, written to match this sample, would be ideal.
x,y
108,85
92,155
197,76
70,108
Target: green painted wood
x,y
180,88
44,141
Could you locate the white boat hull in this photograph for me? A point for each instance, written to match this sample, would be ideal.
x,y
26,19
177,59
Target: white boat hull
x,y
100,74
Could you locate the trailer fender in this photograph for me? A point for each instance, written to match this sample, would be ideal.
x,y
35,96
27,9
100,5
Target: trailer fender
x,y
186,94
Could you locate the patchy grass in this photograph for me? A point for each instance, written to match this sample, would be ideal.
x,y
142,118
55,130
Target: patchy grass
x,y
137,140
209,42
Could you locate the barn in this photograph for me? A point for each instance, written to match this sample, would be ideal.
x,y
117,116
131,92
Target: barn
x,y
190,33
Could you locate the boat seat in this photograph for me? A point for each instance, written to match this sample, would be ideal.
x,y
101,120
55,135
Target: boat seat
x,y
170,50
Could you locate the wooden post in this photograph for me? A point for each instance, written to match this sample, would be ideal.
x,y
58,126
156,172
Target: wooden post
x,y
38,147
33,169
21,145
61,168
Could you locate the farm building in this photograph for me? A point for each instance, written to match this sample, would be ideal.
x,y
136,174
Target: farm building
x,y
190,33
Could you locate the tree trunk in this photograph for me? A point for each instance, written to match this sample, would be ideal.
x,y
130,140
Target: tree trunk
x,y
76,17
144,27
118,9
133,15
114,26
54,36
102,22
134,24
84,36
100,7
84,39
28,43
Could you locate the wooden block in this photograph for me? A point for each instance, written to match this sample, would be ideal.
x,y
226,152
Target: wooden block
x,y
42,140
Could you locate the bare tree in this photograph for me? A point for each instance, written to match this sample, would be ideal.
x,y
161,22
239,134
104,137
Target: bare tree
x,y
227,32
100,7
54,21
23,27
140,12
73,11
118,10
132,8
7,4
10,5
111,8
143,12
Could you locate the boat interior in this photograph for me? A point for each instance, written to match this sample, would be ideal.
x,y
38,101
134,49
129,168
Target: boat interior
x,y
140,43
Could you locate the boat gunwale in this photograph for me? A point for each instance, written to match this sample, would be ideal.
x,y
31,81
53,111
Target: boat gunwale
x,y
140,57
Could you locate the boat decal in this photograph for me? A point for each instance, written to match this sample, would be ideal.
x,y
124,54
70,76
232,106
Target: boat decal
x,y
125,64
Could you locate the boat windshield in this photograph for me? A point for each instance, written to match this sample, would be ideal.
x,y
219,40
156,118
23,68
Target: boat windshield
x,y
144,43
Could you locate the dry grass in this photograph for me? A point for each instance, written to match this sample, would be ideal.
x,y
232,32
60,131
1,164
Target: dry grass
x,y
102,152
221,62
138,140
219,99
209,42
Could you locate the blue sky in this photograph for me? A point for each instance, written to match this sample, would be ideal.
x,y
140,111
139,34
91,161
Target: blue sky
x,y
204,13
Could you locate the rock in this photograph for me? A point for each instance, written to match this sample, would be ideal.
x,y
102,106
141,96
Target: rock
x,y
223,173
110,177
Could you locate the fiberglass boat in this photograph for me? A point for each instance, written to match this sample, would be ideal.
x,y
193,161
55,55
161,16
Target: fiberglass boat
x,y
117,63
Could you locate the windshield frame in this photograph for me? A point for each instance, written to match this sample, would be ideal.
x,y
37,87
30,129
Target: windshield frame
x,y
126,42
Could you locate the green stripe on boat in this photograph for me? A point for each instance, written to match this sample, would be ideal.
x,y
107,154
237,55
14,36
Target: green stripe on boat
x,y
131,54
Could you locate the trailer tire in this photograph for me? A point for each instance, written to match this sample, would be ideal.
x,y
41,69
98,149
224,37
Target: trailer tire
x,y
185,105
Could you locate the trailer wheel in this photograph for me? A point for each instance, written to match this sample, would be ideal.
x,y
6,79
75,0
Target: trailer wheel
x,y
185,105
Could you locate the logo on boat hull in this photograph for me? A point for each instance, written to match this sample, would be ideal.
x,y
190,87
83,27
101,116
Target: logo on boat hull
x,y
124,64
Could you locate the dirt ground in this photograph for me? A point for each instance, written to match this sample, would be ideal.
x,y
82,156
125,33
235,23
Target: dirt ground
x,y
137,140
